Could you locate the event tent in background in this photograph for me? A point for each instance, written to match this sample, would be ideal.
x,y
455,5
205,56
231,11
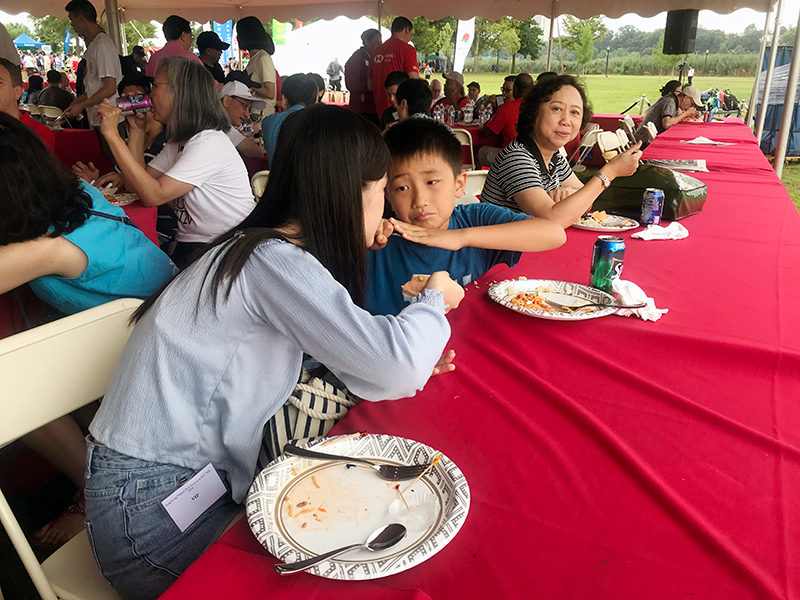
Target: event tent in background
x,y
310,48
26,41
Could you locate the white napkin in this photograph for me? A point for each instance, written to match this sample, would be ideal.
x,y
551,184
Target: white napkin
x,y
704,141
630,293
673,231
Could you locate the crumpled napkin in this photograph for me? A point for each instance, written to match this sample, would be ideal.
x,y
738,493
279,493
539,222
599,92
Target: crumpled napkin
x,y
673,231
630,293
704,141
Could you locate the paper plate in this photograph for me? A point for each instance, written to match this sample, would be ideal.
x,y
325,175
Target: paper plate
x,y
563,292
333,505
612,224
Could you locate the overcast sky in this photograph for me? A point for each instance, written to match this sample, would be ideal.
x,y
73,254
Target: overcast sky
x,y
734,22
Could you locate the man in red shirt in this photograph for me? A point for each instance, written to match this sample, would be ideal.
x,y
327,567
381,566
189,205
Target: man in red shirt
x,y
356,74
11,92
504,121
453,92
395,54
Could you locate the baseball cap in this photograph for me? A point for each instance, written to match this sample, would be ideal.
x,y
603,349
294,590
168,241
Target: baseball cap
x,y
236,89
693,93
456,76
209,39
474,84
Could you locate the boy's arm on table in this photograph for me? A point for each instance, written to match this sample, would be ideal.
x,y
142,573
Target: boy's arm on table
x,y
529,235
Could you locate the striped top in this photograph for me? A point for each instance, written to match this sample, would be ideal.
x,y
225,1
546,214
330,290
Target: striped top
x,y
516,170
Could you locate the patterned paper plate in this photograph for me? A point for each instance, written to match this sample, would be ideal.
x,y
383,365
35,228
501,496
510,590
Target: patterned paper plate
x,y
300,507
122,199
562,292
612,224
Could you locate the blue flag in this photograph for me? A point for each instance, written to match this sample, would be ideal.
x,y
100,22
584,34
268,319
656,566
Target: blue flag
x,y
225,33
66,42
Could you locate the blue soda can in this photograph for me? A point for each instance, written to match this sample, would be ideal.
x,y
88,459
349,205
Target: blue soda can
x,y
652,206
607,257
134,104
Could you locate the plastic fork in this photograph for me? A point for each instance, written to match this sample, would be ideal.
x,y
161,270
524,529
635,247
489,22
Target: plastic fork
x,y
555,304
388,472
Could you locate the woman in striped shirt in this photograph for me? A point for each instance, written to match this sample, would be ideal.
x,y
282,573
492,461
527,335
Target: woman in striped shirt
x,y
531,176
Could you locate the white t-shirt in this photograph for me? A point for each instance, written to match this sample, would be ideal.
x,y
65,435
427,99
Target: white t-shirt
x,y
222,196
261,69
102,61
235,136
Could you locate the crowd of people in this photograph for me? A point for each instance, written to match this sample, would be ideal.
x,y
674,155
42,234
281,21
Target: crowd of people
x,y
359,201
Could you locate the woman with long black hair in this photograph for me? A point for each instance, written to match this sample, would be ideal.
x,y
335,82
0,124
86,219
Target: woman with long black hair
x,y
216,353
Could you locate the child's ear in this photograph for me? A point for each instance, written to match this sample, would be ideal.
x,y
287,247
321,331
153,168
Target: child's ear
x,y
461,183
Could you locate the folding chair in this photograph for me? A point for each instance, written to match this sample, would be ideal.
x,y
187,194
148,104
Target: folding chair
x,y
48,372
629,127
466,140
652,132
31,108
587,143
475,181
624,142
609,144
259,183
52,115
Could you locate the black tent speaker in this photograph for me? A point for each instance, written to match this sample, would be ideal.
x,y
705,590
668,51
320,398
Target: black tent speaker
x,y
681,31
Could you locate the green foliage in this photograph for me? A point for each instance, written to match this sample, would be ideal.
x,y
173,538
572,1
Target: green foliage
x,y
17,29
665,60
584,46
531,43
51,30
430,37
575,28
133,29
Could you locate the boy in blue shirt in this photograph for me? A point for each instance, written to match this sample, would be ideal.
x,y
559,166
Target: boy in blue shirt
x,y
431,233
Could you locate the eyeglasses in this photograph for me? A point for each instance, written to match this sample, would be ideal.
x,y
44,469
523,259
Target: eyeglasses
x,y
506,89
244,104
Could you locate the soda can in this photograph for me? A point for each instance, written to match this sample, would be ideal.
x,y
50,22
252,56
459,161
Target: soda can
x,y
607,257
652,206
134,104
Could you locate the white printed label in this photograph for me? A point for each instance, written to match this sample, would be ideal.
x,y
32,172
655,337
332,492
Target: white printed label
x,y
194,497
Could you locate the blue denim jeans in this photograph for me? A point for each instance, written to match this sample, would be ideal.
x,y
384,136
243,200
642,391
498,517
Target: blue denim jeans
x,y
138,547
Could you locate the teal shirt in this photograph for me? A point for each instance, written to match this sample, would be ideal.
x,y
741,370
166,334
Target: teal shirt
x,y
123,263
271,127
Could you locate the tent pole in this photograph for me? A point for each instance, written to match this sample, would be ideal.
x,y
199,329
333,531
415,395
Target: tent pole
x,y
550,39
754,94
112,15
788,107
380,4
239,58
762,114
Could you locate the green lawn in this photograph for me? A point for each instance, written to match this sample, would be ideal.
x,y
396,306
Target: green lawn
x,y
615,93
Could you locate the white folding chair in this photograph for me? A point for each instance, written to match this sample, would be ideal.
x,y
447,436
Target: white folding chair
x,y
48,372
31,108
474,187
624,142
466,140
609,145
259,183
52,115
651,130
629,127
587,143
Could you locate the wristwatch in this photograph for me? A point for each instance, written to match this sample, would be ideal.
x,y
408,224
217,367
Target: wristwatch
x,y
603,179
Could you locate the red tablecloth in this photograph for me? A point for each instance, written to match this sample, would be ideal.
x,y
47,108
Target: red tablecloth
x,y
73,145
616,458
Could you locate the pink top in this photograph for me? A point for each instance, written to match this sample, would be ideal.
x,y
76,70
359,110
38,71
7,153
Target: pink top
x,y
170,49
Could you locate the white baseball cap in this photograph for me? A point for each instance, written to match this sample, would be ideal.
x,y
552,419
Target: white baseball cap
x,y
236,89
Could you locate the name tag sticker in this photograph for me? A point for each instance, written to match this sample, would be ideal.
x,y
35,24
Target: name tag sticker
x,y
194,497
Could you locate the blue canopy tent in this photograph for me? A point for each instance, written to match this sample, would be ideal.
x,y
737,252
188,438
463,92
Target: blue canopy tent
x,y
26,41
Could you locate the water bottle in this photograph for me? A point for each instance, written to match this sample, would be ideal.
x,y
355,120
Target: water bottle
x,y
469,112
450,115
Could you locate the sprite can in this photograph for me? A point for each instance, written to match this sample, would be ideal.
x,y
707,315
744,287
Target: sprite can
x,y
607,257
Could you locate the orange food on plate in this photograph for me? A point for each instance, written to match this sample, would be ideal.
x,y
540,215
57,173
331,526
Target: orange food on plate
x,y
415,286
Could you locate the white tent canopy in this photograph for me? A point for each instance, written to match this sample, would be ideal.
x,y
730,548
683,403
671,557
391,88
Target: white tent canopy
x,y
284,10
312,47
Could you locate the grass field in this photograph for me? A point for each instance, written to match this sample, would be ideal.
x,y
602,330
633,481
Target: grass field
x,y
615,93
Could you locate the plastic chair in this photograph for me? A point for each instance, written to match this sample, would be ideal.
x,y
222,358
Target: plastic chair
x,y
629,127
466,140
624,142
259,183
31,108
52,115
48,372
587,143
609,144
475,181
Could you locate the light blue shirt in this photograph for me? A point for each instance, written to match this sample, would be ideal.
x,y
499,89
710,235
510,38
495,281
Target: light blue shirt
x,y
196,386
271,127
123,263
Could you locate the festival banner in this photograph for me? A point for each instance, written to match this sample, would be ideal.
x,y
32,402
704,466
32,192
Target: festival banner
x,y
225,33
464,35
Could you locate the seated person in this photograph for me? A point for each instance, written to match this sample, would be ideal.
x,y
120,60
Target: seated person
x,y
203,177
300,92
453,92
467,240
35,87
504,121
675,105
54,94
238,102
531,176
320,83
474,94
413,99
76,251
506,91
390,84
11,92
436,90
